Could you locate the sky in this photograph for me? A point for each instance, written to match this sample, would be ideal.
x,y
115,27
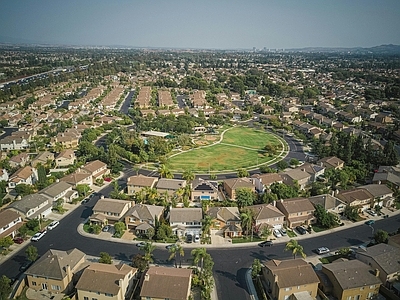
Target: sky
x,y
204,24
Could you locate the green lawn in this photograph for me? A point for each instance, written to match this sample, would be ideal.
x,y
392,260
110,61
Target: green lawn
x,y
228,155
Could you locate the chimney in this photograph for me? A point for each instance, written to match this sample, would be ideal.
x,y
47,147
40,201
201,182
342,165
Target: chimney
x,y
67,270
146,277
276,278
274,203
120,282
102,197
377,273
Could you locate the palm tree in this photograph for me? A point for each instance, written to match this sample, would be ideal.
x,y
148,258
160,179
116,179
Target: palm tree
x,y
148,249
296,248
188,175
151,195
165,172
206,225
176,249
247,221
198,256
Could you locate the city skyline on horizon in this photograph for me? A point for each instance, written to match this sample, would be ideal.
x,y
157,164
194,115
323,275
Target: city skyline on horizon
x,y
180,24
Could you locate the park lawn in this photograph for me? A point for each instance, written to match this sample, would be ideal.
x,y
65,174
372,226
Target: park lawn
x,y
248,137
217,158
227,156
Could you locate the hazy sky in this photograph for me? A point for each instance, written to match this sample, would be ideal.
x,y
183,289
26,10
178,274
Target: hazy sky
x,y
222,24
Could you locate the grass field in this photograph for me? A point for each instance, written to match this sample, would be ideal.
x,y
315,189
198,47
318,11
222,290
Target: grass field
x,y
241,147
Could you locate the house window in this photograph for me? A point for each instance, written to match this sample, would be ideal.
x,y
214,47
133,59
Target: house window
x,y
33,283
109,295
370,295
349,298
85,298
288,289
361,288
287,297
55,287
372,287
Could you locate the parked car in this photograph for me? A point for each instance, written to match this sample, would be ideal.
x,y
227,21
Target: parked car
x,y
283,231
301,230
53,225
370,222
196,238
18,240
266,244
371,212
25,265
106,228
38,236
170,246
189,238
141,244
322,250
277,233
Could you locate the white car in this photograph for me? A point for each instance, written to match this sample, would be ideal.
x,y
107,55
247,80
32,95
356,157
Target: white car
x,y
323,250
53,225
38,236
371,212
196,238
277,233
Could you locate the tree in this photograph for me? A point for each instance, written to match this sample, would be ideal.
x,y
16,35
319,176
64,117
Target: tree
x,y
282,165
247,217
163,231
255,268
31,253
24,189
105,258
119,228
245,197
148,249
5,287
165,172
296,248
150,233
242,173
6,242
188,175
198,257
324,218
139,262
82,189
176,249
381,236
206,225
265,232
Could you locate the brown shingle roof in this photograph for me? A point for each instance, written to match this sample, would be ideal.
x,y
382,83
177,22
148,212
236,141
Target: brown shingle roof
x,y
166,283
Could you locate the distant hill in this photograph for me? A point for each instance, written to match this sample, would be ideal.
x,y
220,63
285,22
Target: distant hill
x,y
382,49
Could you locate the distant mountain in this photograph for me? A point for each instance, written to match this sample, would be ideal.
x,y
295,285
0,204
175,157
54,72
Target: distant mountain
x,y
382,49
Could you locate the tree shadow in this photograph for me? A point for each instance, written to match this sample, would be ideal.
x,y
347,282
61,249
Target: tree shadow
x,y
122,256
226,274
354,242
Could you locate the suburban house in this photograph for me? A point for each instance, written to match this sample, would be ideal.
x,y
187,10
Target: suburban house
x,y
382,194
25,175
78,177
166,283
267,215
55,271
109,211
97,169
32,206
60,190
66,140
65,158
184,221
384,258
290,279
297,176
331,162
387,175
232,184
104,281
264,181
10,222
297,211
349,279
227,220
11,142
360,198
19,160
329,202
170,186
138,182
42,158
141,217
204,190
